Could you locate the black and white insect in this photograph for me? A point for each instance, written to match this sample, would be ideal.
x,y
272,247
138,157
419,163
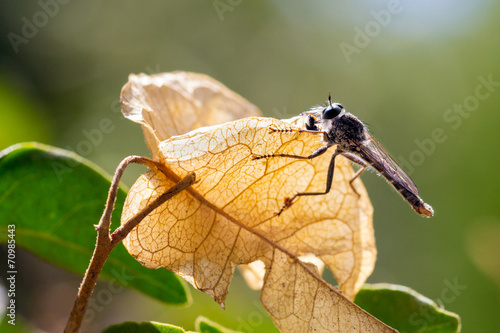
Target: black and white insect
x,y
349,136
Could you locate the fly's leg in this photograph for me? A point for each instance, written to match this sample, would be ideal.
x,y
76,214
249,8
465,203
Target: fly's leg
x,y
329,180
311,124
320,151
317,153
273,129
359,161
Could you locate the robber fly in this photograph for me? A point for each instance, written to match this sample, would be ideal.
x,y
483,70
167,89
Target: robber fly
x,y
351,139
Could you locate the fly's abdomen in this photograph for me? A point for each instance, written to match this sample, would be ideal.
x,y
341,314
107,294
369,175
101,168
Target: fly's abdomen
x,y
403,184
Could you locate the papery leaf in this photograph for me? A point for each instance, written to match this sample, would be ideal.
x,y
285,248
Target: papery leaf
x,y
175,103
54,198
229,218
235,191
254,272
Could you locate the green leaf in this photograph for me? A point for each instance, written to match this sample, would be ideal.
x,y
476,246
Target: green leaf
x,y
204,325
54,198
149,327
406,310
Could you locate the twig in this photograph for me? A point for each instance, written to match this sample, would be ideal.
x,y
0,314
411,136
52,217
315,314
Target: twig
x,y
106,243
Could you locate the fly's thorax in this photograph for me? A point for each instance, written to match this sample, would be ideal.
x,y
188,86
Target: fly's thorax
x,y
346,130
327,124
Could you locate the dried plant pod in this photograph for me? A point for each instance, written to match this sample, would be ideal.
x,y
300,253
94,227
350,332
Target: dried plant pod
x,y
228,218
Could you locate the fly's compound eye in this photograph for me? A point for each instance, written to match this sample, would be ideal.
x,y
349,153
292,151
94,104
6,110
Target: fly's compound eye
x,y
332,111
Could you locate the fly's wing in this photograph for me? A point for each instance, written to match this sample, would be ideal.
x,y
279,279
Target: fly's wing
x,y
373,153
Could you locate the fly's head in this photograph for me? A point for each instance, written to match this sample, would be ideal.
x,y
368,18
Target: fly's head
x,y
331,113
320,118
331,116
342,128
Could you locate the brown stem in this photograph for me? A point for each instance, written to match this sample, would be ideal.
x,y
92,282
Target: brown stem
x,y
121,232
106,242
105,221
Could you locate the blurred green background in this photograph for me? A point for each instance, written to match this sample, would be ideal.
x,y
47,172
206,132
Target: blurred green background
x,y
424,75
